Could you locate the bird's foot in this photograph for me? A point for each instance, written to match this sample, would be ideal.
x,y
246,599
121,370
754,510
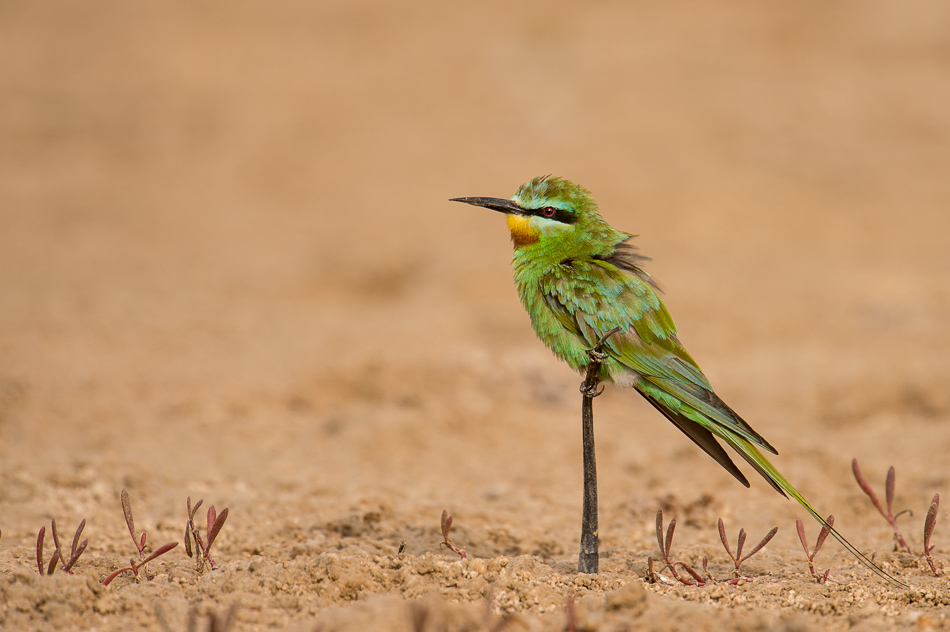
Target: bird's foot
x,y
597,357
591,391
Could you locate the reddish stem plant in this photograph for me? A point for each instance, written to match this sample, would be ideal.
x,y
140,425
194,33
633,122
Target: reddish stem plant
x,y
570,623
822,536
202,547
930,522
666,545
929,525
58,557
889,498
142,562
738,559
446,541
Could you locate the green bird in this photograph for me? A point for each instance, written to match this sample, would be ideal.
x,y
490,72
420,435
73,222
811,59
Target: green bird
x,y
579,278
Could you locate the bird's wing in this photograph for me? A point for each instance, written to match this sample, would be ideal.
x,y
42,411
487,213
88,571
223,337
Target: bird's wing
x,y
590,298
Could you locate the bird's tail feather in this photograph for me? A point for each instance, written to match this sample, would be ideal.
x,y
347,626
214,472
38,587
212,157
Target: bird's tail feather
x,y
704,430
702,437
755,458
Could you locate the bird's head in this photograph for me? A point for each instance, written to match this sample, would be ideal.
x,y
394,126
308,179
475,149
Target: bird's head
x,y
552,215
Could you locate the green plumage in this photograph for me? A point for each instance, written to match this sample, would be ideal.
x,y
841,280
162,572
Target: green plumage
x,y
578,279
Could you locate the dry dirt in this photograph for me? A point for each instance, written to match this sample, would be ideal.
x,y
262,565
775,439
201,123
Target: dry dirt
x,y
229,270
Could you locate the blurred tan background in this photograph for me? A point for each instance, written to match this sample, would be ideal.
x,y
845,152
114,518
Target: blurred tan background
x,y
228,265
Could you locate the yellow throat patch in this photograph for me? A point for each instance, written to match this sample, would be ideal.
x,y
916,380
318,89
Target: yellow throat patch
x,y
521,232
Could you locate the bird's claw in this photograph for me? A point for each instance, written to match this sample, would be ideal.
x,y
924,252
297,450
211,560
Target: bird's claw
x,y
596,356
591,391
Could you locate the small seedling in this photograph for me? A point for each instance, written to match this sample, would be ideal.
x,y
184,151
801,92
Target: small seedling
x,y
490,623
446,542
929,522
74,553
738,559
665,546
570,623
929,525
889,497
216,623
202,548
139,542
419,613
822,535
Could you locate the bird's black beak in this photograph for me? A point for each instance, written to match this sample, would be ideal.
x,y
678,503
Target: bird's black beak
x,y
495,204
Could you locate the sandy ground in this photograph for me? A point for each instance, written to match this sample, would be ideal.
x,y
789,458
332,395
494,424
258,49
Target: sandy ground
x,y
229,271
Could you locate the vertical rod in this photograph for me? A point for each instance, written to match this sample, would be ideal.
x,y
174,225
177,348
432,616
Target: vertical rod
x,y
590,544
588,560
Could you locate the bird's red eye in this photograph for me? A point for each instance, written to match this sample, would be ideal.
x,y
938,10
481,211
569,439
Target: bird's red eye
x,y
548,211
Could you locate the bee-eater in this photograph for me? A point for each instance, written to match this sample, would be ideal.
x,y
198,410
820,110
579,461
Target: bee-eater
x,y
579,278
